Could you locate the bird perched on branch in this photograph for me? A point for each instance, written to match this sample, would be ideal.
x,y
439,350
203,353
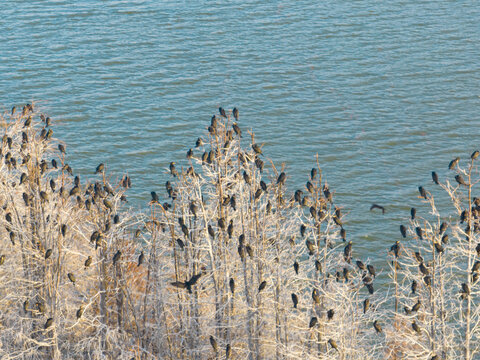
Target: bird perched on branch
x,y
100,168
453,163
116,257
333,344
294,300
71,277
262,286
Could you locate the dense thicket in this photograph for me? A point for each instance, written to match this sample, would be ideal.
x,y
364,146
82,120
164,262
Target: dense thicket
x,y
226,264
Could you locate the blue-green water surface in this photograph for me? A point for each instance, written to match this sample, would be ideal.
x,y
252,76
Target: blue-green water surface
x,y
383,91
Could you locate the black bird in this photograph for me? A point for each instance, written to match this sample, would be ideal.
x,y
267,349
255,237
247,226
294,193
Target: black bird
x,y
439,248
296,266
43,196
71,277
377,326
211,232
180,243
416,306
366,305
13,110
48,323
241,239
465,289
187,284
246,177
80,311
395,248
347,252
310,187
445,238
23,177
48,253
361,265
213,122
423,269
107,204
423,192
443,227
313,173
88,262
40,307
333,344
140,258
318,265
222,112
435,177
330,314
63,229
173,171
230,229
414,286
375,206
427,280
184,230
237,129
281,178
476,266
313,322
61,147
302,230
100,168
453,163
413,212
407,310
199,142
371,270
459,179
477,249
241,252
189,154
403,231
213,342
116,257
419,232
295,300
475,155
221,223
235,113
262,285
315,296
418,257
232,285
249,250
257,149
415,327
370,288
193,209
263,186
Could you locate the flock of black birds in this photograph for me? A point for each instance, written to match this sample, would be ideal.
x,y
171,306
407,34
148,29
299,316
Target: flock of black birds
x,y
101,195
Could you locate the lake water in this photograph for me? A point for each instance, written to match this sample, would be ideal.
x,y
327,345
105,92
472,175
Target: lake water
x,y
383,91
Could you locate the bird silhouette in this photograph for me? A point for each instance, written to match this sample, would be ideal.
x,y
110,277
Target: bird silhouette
x,y
375,206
